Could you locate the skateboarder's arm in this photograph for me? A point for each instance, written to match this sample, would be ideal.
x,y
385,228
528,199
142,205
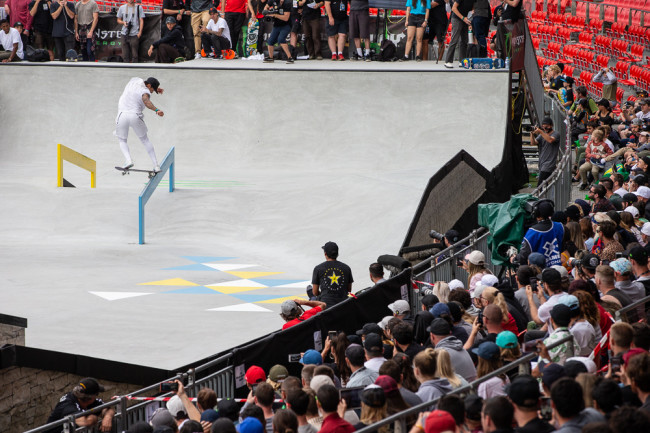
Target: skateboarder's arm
x,y
147,103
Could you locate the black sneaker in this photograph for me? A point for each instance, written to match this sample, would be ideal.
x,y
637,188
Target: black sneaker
x,y
355,56
367,58
268,59
404,59
418,59
584,186
290,60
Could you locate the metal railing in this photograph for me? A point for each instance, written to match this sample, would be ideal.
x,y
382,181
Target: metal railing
x,y
618,315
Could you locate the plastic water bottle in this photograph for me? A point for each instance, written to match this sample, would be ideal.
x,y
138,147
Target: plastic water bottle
x,y
508,63
470,35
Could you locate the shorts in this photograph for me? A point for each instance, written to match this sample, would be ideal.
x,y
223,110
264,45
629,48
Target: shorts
x,y
125,120
436,31
416,20
43,40
279,34
340,27
296,23
359,24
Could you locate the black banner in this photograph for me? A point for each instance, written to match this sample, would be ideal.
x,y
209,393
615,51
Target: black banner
x,y
109,40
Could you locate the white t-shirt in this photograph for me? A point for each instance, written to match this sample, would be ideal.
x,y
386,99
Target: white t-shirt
x,y
131,99
585,334
544,310
131,15
641,115
9,39
220,24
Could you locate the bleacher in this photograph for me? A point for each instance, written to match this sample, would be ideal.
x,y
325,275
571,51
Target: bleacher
x,y
587,37
149,6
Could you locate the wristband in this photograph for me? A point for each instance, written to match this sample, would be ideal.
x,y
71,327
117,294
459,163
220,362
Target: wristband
x,y
156,110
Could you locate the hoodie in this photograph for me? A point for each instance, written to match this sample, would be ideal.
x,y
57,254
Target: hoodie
x,y
460,359
432,389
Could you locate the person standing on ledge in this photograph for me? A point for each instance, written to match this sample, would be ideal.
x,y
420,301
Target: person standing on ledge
x,y
136,96
332,280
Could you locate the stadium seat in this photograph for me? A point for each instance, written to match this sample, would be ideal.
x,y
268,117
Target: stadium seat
x,y
585,40
595,25
569,70
635,34
621,71
635,72
535,42
616,30
619,95
603,44
563,34
602,61
637,53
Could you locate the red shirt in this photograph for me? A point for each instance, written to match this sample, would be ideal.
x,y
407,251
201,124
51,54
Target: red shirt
x,y
19,10
238,6
605,319
333,423
511,325
306,315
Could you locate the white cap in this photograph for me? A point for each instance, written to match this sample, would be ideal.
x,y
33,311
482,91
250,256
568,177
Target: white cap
x,y
643,191
562,270
634,211
175,406
399,307
476,258
489,280
456,285
646,229
590,364
384,322
478,291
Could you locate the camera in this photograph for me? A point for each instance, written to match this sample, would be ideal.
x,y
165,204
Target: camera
x,y
436,235
574,263
294,357
168,386
273,10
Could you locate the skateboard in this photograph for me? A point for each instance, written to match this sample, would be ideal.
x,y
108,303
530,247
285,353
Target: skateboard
x,y
71,56
251,37
481,63
129,170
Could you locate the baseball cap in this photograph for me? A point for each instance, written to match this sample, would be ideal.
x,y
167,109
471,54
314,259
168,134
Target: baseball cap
x,y
439,421
590,364
545,209
632,210
228,408
507,340
551,373
637,121
456,285
373,344
622,265
645,229
320,380
638,254
254,375
90,386
439,309
640,179
439,327
384,322
373,396
161,417
170,20
476,258
478,291
561,315
289,307
370,328
209,415
18,24
214,11
489,280
153,82
175,406
452,236
399,307
331,249
643,191
524,391
278,373
355,354
311,356
564,274
537,259
388,384
631,353
644,133
574,368
547,121
570,301
550,276
630,197
250,425
430,300
487,350
590,261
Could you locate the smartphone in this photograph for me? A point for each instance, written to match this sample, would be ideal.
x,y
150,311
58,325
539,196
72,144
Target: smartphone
x,y
480,318
332,334
352,396
545,409
168,386
294,357
459,263
616,364
533,283
531,346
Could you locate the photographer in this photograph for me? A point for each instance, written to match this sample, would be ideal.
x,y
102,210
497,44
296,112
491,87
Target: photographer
x,y
293,313
548,142
279,11
131,17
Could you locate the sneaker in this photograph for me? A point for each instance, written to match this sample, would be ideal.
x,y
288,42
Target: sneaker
x,y
367,58
460,64
319,57
127,166
449,65
197,56
418,59
334,57
290,60
268,59
157,169
404,59
355,56
584,186
341,57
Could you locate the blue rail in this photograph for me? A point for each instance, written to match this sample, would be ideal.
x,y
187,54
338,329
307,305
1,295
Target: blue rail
x,y
150,187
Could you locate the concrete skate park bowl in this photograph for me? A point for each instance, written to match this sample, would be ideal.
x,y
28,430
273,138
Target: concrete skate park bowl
x,y
270,161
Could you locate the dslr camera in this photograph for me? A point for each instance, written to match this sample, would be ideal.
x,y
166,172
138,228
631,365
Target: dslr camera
x,y
436,235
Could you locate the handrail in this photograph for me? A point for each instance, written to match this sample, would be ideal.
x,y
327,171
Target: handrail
x,y
425,405
76,158
150,187
631,306
454,248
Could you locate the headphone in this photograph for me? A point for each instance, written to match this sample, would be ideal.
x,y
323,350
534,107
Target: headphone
x,y
535,210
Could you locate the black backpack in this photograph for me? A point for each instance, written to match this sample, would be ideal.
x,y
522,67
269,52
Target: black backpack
x,y
388,51
36,55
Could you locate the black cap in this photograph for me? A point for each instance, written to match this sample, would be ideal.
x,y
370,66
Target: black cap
x,y
641,179
90,386
551,373
630,197
547,121
439,326
170,20
373,344
590,261
429,301
545,209
18,24
153,82
369,328
524,391
561,315
639,254
331,249
214,11
373,396
452,236
355,354
573,212
227,408
550,276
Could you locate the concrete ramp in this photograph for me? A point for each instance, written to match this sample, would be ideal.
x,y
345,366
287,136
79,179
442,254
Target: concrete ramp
x,y
270,163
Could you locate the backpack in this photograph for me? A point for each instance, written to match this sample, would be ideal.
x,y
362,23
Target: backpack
x,y
36,55
388,50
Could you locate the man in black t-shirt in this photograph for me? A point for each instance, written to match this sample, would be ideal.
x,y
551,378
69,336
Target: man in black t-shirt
x,y
524,395
280,11
332,280
82,397
311,26
436,29
337,26
42,25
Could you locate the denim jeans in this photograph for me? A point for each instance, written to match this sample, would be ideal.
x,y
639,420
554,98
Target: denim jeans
x,y
481,27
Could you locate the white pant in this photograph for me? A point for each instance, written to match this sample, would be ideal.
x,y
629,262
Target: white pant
x,y
123,122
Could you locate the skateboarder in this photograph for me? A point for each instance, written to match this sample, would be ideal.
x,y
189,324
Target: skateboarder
x,y
135,97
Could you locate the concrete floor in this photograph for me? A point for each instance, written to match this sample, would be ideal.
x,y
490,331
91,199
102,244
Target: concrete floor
x,y
272,162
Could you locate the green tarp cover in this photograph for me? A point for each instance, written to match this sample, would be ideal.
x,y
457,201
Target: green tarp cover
x,y
506,224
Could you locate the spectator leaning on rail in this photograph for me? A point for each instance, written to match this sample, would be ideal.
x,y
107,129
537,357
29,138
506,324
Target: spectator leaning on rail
x,y
292,312
82,397
544,237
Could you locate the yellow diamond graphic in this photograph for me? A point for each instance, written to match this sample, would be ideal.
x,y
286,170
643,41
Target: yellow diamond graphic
x,y
172,282
280,300
248,275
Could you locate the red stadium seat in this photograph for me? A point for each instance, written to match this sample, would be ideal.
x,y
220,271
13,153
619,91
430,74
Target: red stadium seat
x,y
569,70
595,24
602,61
616,30
637,53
